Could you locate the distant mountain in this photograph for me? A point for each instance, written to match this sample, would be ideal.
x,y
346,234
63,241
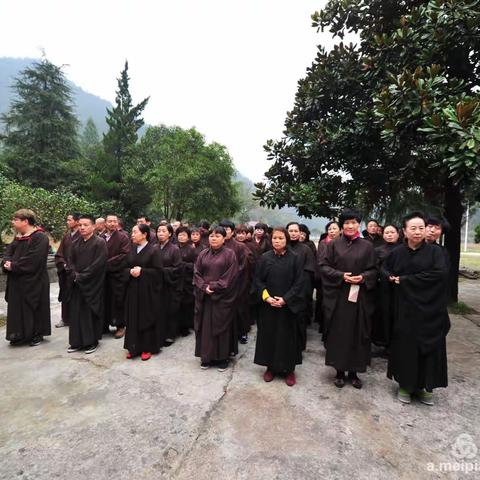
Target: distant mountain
x,y
86,104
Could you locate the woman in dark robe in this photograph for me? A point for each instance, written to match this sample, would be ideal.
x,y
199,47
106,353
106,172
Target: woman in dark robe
x,y
189,255
260,240
279,287
145,325
418,354
171,281
196,238
349,277
305,238
215,273
382,320
333,232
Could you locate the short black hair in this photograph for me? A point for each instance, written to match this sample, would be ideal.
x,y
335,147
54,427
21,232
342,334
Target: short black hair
x,y
183,229
349,214
292,223
204,224
372,220
75,216
169,227
440,221
144,228
327,226
261,225
391,225
227,224
219,229
412,215
88,217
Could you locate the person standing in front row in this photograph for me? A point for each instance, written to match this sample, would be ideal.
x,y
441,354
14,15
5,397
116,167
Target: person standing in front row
x,y
214,276
349,277
418,352
28,287
88,265
279,285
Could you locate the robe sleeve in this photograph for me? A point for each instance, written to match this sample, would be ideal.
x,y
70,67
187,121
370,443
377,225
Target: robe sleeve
x,y
227,278
116,262
96,267
294,297
370,273
198,279
436,274
35,256
330,275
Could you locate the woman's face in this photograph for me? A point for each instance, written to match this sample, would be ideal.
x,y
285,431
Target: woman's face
x,y
294,232
163,234
390,235
414,231
279,241
350,227
182,237
302,236
333,231
195,237
137,236
216,240
259,232
241,236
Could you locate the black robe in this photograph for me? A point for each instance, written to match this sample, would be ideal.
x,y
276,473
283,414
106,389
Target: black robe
x,y
383,317
279,343
189,255
144,314
89,263
171,286
213,316
347,325
418,355
62,262
118,247
28,287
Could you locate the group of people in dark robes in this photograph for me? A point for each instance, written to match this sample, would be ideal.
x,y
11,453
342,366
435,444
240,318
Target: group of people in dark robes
x,y
386,288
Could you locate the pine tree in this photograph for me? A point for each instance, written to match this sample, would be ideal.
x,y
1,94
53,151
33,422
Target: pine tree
x,y
40,127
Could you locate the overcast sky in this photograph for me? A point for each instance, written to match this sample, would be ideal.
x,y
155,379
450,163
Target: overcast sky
x,y
227,67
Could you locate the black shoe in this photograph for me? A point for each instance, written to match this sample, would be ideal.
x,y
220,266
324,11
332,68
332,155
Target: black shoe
x,y
339,382
244,339
167,342
16,341
36,340
185,332
222,366
91,348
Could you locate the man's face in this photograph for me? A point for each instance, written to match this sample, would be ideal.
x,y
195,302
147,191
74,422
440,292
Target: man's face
x,y
372,228
175,225
86,227
433,233
141,220
20,226
294,232
100,225
182,237
350,227
71,222
216,240
112,223
229,233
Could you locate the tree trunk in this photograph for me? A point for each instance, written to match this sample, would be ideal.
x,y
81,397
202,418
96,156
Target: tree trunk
x,y
453,213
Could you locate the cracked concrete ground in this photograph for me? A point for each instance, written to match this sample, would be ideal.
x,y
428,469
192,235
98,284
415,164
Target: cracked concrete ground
x,y
100,416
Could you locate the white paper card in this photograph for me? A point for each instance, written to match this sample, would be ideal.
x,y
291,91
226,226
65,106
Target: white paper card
x,y
353,293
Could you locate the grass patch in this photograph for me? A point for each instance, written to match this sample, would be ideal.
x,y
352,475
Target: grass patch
x,y
460,308
471,262
3,320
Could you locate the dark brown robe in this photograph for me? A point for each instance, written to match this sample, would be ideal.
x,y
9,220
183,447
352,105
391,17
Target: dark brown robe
x,y
171,286
321,249
144,314
28,288
347,325
189,255
62,262
418,354
118,247
89,263
214,312
279,342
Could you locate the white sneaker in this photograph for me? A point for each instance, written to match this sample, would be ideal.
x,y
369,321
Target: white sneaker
x,y
73,349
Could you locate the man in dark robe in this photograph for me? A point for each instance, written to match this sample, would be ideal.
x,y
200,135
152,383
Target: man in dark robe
x,y
28,286
215,275
371,233
307,260
204,228
349,277
118,246
418,355
88,265
241,323
62,262
100,226
147,221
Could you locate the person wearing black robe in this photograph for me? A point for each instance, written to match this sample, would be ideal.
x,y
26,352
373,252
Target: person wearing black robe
x,y
349,277
382,319
144,315
215,274
88,266
371,233
62,262
279,287
332,233
147,221
171,280
28,285
260,240
418,354
118,247
307,260
189,255
196,238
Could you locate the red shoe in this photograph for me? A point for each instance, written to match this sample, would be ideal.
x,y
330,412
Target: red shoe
x,y
268,375
145,356
291,380
129,356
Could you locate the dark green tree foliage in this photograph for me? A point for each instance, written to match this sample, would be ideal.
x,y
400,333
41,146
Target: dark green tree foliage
x,y
40,128
188,178
90,139
390,123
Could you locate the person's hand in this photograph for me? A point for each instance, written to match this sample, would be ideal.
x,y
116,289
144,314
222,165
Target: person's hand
x,y
273,302
7,265
280,301
135,272
208,290
394,279
356,279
